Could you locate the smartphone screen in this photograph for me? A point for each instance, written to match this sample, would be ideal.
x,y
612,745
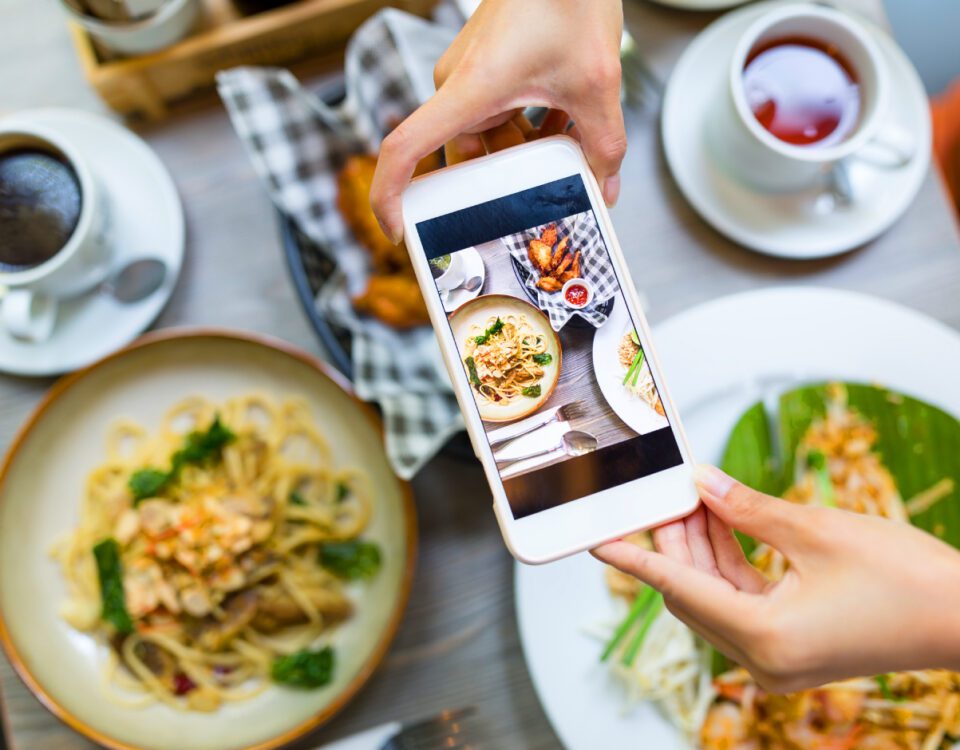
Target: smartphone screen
x,y
557,372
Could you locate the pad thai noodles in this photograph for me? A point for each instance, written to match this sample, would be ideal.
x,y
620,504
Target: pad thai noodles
x,y
637,378
836,465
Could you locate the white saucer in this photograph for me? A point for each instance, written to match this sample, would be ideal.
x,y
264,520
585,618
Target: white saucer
x,y
146,220
472,266
786,226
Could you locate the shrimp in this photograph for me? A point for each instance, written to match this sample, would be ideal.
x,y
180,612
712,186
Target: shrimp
x,y
726,728
804,735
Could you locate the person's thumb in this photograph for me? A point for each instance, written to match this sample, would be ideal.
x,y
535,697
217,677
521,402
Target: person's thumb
x,y
768,519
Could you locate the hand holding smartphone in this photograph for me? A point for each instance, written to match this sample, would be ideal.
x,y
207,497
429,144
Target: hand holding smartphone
x,y
548,350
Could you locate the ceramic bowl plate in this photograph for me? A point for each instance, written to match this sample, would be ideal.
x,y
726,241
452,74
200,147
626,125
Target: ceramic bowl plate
x,y
720,357
473,315
40,491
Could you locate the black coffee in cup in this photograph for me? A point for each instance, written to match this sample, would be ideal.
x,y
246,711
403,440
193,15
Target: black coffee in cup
x,y
40,203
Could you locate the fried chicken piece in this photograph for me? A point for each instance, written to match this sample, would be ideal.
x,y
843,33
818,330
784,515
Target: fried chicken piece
x,y
540,254
549,284
549,235
573,272
564,265
394,299
558,253
353,201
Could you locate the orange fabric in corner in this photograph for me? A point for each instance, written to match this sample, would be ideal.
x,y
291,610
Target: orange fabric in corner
x,y
946,138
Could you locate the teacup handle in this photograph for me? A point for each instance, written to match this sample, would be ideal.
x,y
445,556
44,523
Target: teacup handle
x,y
891,148
29,315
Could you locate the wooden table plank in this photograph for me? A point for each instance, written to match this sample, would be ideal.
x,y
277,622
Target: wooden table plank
x,y
458,644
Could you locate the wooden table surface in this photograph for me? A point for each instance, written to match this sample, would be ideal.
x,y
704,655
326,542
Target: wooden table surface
x,y
458,644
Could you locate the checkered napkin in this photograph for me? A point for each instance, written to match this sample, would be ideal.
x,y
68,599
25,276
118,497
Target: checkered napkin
x,y
297,145
594,265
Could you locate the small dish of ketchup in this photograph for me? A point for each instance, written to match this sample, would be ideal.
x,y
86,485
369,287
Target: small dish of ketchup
x,y
577,293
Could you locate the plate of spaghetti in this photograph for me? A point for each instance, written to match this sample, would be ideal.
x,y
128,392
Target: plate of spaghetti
x,y
217,571
510,353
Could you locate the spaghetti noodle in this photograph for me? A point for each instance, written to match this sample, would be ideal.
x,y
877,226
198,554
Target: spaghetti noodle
x,y
505,358
229,567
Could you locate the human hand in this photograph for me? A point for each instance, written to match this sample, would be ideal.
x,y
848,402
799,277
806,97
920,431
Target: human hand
x,y
562,54
862,595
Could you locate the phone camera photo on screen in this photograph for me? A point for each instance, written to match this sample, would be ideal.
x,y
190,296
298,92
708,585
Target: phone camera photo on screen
x,y
556,368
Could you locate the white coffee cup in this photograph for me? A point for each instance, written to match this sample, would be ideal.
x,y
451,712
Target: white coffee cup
x,y
752,154
453,276
32,294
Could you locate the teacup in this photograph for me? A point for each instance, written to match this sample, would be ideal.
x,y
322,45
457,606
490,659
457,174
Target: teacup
x,y
452,276
67,268
756,156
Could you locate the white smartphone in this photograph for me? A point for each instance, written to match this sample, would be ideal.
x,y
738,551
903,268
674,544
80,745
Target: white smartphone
x,y
548,350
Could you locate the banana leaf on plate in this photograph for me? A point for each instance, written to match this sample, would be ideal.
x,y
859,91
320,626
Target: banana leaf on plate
x,y
918,443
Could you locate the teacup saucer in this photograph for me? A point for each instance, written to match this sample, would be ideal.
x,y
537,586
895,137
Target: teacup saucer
x,y
472,266
796,225
146,219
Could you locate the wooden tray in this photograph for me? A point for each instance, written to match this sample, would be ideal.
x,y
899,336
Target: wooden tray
x,y
145,86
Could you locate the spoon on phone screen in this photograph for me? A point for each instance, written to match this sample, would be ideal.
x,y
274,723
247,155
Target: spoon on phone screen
x,y
573,443
470,285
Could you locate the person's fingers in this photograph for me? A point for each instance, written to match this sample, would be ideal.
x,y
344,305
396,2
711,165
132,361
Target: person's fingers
x,y
449,112
463,147
671,540
711,601
730,559
599,121
777,522
554,123
722,644
698,542
503,136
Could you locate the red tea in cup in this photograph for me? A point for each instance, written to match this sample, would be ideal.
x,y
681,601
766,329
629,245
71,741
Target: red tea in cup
x,y
802,91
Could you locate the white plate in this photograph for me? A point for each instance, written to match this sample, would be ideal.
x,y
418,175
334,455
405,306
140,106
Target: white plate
x,y
472,266
633,410
788,226
146,219
40,492
719,358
